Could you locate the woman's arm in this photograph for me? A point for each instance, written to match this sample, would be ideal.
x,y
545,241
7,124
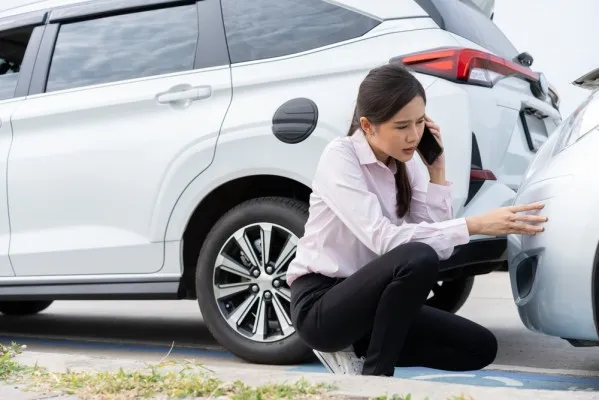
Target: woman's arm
x,y
431,202
340,184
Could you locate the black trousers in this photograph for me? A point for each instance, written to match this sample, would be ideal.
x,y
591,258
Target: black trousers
x,y
379,310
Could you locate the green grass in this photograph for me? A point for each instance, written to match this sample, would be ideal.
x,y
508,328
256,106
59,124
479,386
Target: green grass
x,y
8,367
172,380
189,382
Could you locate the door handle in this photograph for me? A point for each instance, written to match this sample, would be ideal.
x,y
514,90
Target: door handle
x,y
184,94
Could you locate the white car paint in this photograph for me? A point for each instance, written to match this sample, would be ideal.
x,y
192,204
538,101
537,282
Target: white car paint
x,y
104,181
7,108
554,274
78,153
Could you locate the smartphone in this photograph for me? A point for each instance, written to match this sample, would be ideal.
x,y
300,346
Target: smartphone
x,y
429,147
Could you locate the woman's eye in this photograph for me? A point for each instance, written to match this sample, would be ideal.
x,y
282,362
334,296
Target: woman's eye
x,y
421,122
402,127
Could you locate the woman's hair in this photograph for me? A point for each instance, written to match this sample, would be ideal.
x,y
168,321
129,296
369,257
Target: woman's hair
x,y
385,91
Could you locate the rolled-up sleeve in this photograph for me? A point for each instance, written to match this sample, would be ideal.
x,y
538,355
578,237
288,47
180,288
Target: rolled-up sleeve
x,y
341,185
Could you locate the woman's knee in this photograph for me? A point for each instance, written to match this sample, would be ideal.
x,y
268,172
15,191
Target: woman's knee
x,y
417,261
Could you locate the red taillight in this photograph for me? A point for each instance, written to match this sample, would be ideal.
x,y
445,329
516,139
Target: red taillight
x,y
466,66
482,175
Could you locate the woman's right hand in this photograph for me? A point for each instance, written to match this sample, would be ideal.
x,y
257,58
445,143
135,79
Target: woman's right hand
x,y
505,220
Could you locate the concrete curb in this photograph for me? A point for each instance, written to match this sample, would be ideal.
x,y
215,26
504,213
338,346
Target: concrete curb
x,y
348,386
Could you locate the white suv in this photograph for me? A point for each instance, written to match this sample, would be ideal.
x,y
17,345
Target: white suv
x,y
164,149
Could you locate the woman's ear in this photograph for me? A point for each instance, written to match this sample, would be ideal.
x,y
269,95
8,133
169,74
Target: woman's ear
x,y
366,126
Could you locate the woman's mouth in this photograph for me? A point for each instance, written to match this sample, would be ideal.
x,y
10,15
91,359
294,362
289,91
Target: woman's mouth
x,y
409,150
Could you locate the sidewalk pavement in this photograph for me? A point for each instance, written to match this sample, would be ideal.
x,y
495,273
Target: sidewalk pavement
x,y
350,387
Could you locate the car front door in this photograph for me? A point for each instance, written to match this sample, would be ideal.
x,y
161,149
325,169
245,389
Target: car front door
x,y
120,96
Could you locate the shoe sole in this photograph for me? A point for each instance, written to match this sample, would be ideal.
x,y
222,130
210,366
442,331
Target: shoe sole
x,y
324,362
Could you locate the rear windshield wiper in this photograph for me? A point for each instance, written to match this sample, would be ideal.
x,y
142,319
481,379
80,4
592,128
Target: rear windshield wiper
x,y
524,59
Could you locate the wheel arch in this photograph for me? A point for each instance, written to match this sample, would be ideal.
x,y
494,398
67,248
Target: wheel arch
x,y
220,200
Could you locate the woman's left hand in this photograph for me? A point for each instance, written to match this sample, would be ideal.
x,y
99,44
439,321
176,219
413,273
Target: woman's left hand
x,y
437,169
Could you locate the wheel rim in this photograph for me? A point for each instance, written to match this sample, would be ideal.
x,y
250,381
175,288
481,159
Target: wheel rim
x,y
250,285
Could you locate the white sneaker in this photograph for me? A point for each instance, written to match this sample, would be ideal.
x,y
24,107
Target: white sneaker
x,y
343,362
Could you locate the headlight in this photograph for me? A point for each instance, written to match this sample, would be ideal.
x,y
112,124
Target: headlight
x,y
582,121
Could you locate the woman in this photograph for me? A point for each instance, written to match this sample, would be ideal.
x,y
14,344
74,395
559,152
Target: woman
x,y
377,229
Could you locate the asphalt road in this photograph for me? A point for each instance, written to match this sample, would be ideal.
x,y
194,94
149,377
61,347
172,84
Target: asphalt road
x,y
148,328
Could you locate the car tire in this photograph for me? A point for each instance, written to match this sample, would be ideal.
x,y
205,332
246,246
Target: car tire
x,y
250,220
451,295
21,308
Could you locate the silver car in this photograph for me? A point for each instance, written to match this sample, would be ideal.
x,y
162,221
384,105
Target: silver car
x,y
554,275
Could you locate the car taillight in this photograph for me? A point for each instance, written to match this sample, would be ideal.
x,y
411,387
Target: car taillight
x,y
482,175
465,66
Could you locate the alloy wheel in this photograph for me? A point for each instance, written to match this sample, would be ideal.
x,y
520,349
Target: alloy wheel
x,y
250,285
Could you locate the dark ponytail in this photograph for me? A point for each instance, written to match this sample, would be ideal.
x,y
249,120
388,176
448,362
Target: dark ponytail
x,y
385,91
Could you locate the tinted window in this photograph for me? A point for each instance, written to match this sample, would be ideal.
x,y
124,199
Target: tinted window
x,y
124,47
12,50
465,19
261,29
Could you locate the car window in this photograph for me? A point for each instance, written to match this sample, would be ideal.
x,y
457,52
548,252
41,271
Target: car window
x,y
12,50
262,29
124,47
465,19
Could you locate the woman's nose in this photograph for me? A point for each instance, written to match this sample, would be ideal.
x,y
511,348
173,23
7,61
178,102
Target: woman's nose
x,y
413,135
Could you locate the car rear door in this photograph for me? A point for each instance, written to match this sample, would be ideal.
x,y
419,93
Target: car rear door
x,y
119,92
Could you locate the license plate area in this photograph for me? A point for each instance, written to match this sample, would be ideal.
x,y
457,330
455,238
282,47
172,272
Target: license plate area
x,y
534,128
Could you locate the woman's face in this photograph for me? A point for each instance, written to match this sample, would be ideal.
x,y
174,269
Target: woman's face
x,y
398,137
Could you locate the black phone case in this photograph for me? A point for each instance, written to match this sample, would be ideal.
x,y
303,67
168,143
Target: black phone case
x,y
429,147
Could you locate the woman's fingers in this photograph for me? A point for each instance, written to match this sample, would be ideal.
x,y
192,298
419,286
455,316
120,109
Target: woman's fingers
x,y
434,128
526,207
526,229
523,223
530,218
